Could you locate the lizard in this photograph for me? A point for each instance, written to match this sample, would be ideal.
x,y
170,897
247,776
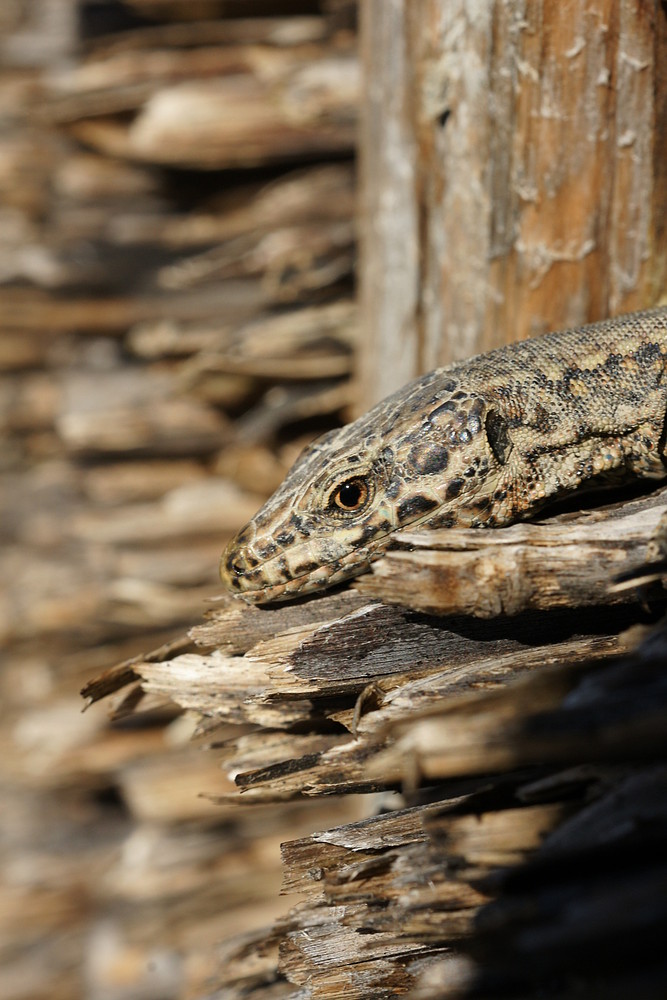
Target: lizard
x,y
480,443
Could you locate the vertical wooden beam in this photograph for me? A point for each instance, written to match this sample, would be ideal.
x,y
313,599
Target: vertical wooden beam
x,y
389,236
514,173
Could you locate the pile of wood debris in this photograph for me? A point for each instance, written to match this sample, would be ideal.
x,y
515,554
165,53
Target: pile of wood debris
x,y
525,860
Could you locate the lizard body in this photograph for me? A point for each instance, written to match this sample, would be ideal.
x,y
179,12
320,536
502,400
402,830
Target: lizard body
x,y
481,443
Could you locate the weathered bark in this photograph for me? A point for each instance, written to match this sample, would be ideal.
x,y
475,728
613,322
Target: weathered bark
x,y
513,170
300,671
567,562
543,820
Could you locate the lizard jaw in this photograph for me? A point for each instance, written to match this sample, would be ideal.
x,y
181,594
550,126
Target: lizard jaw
x,y
255,586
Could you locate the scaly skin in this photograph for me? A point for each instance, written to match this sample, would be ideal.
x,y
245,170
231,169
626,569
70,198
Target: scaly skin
x,y
481,443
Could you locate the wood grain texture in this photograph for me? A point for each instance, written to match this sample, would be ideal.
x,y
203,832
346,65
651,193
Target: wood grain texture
x,y
515,164
565,562
537,842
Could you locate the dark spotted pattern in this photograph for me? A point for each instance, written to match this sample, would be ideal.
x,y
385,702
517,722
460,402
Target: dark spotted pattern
x,y
444,410
454,488
481,443
414,507
498,436
428,461
265,549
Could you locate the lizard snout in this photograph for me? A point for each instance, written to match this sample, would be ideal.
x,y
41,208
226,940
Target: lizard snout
x,y
237,563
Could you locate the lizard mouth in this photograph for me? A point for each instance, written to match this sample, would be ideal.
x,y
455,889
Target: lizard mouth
x,y
288,574
260,586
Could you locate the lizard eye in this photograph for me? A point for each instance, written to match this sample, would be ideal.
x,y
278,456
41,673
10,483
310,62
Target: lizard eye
x,y
350,496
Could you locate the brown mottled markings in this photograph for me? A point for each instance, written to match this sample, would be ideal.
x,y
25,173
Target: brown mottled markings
x,y
283,565
444,408
301,568
265,548
647,353
415,507
482,503
370,530
428,461
454,488
298,523
541,419
498,436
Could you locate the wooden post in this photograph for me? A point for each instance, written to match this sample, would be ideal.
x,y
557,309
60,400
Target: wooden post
x,y
514,174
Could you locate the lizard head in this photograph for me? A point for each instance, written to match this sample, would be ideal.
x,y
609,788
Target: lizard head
x,y
416,458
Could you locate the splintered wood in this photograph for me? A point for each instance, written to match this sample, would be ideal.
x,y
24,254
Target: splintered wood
x,y
522,746
567,562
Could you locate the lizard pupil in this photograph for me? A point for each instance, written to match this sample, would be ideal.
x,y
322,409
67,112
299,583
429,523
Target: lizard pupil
x,y
351,495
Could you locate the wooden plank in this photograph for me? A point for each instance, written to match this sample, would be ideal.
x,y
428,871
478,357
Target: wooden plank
x,y
514,175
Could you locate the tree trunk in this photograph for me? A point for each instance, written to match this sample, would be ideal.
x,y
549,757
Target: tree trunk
x,y
514,174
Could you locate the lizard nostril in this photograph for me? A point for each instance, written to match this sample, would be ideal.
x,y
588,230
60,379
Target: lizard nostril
x,y
233,564
238,561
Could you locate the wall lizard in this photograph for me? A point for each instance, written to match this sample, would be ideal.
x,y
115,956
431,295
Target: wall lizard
x,y
481,443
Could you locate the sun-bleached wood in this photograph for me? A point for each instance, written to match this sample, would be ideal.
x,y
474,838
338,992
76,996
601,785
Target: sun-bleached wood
x,y
513,175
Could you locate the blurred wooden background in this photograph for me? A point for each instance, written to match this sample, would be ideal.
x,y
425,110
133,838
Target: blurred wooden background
x,y
177,314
